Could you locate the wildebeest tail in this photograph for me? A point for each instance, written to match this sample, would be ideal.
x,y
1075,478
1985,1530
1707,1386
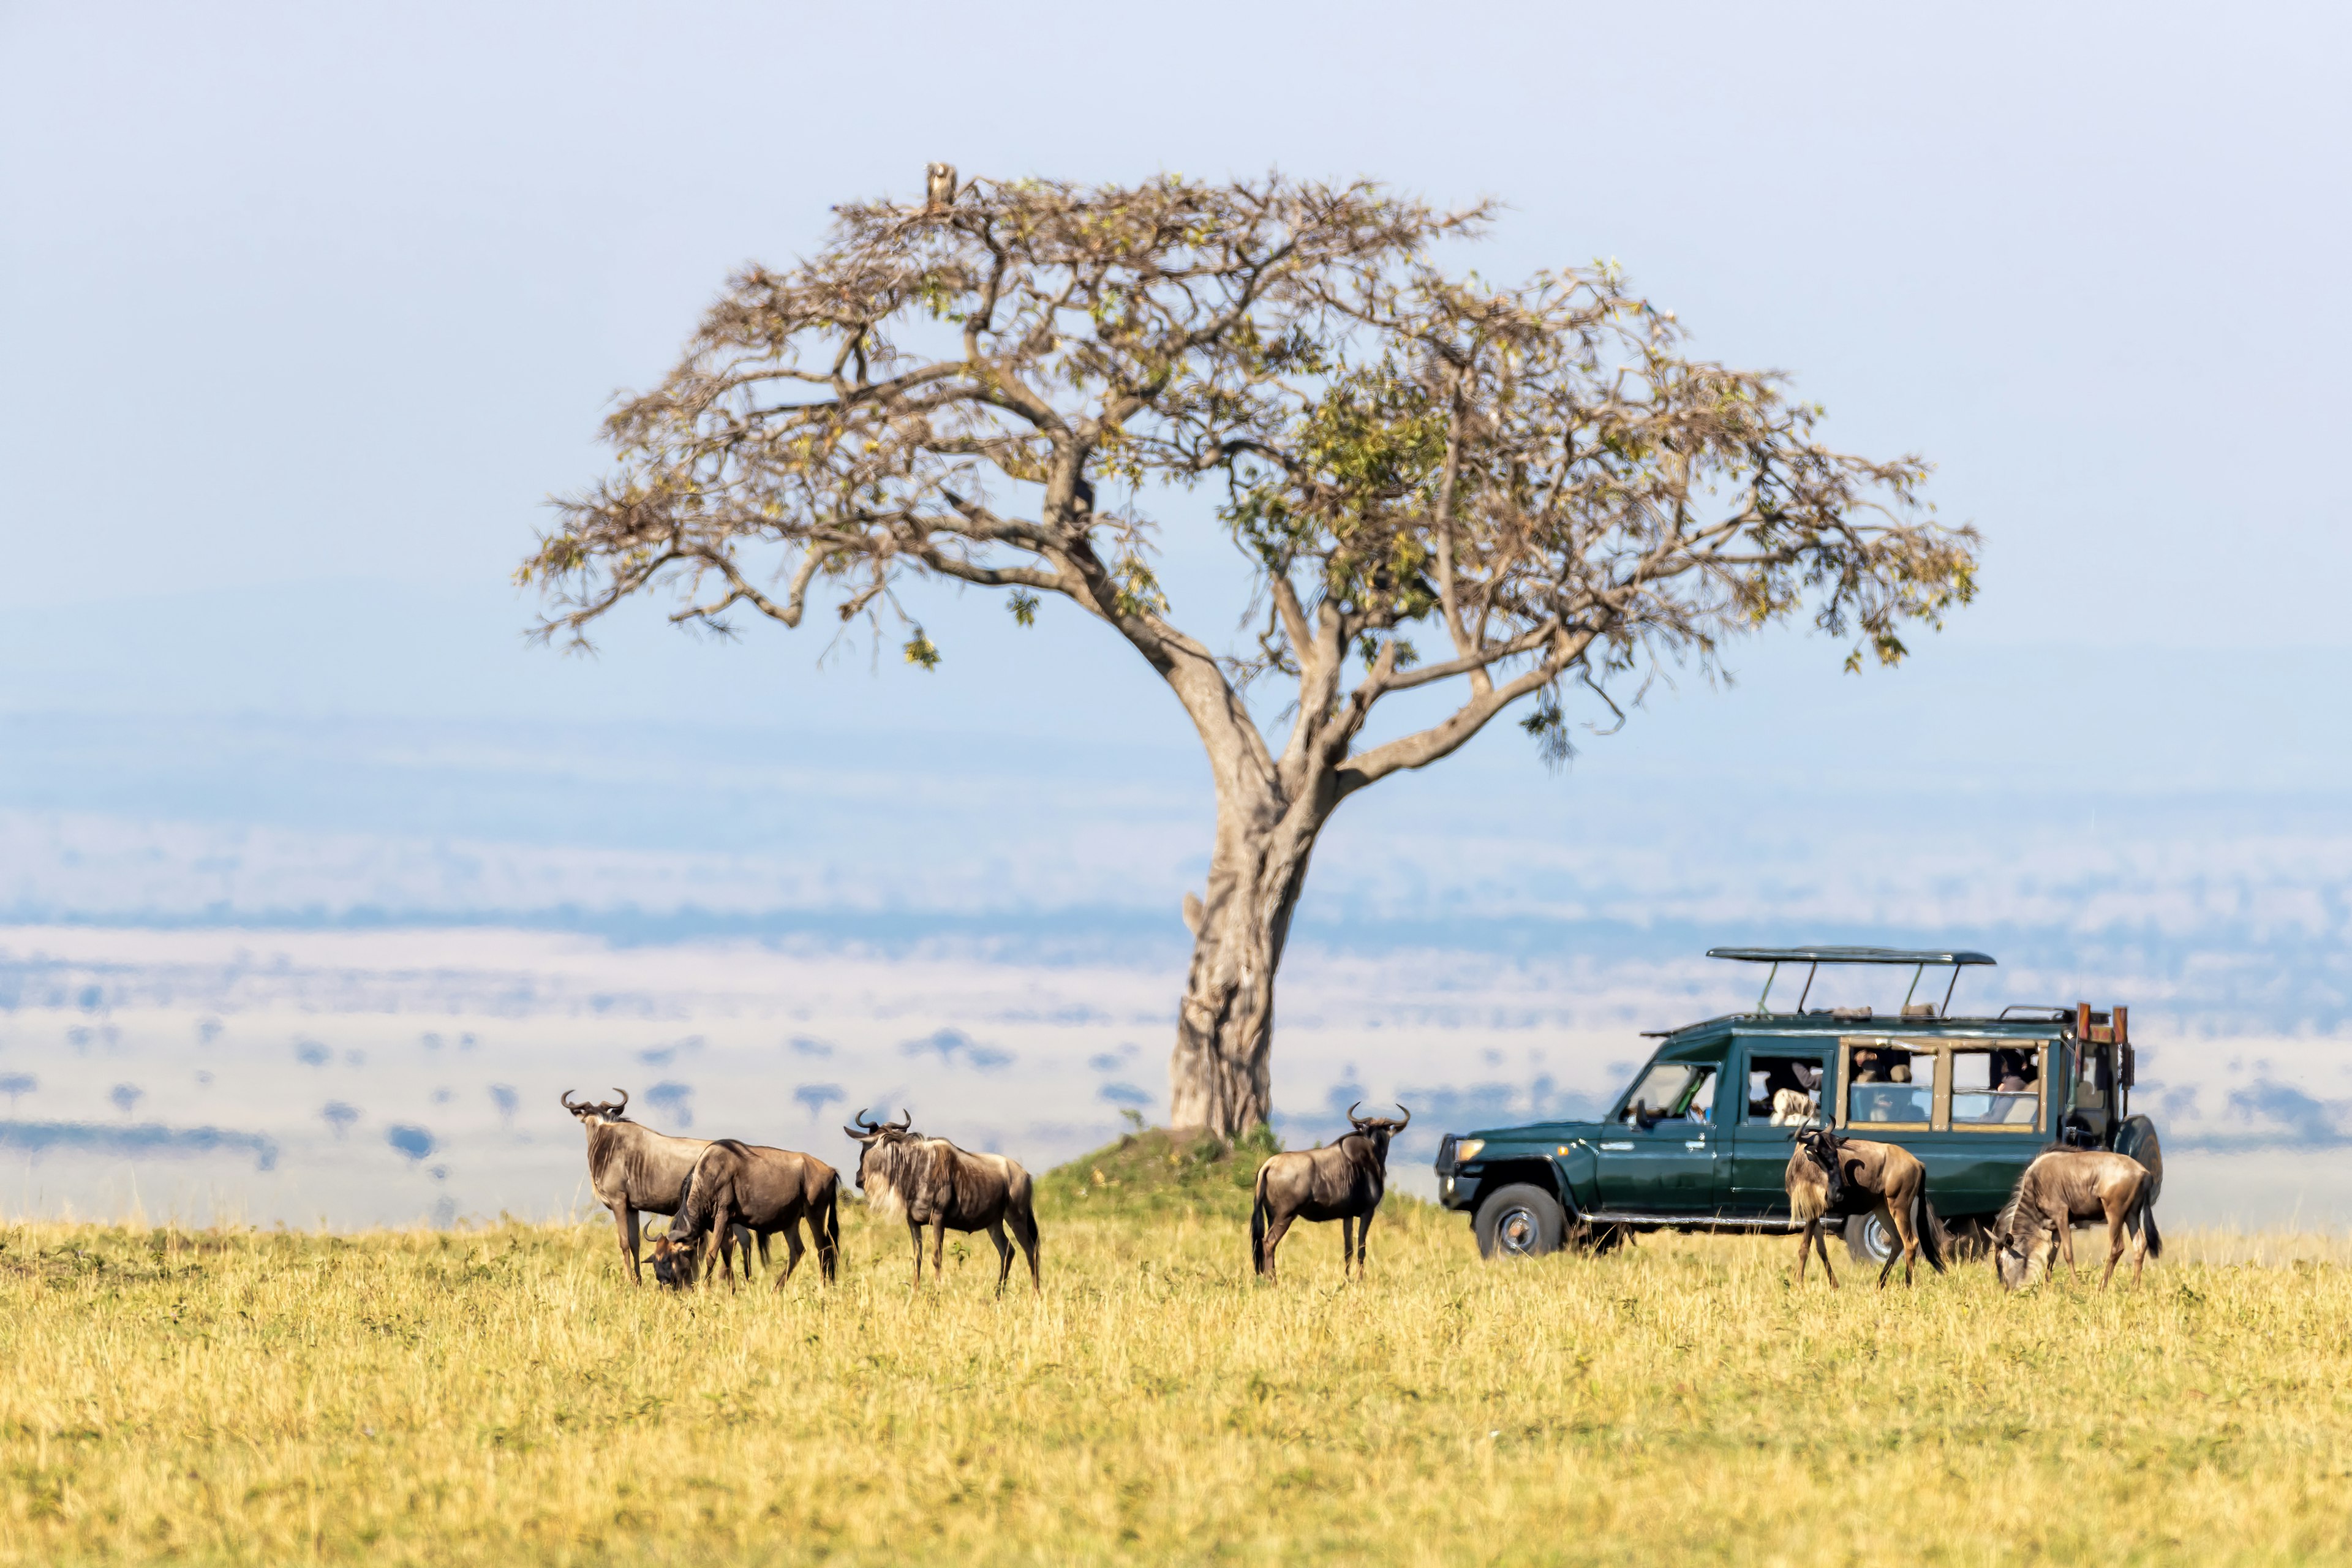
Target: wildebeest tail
x,y
824,1227
1259,1211
828,1211
1931,1231
2147,1220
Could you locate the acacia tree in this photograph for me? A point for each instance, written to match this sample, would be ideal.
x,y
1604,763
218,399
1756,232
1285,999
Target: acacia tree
x,y
1508,495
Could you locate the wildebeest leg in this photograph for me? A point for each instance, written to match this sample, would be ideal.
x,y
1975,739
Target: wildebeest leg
x,y
792,1251
724,1223
915,1234
1804,1249
1907,1225
824,1225
1822,1240
1004,1253
1025,1231
625,1220
2115,1213
1902,1244
1347,1245
1363,1234
763,1251
940,1247
2065,1230
1274,1235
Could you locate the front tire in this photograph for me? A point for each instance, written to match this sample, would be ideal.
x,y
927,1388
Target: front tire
x,y
1868,1240
1519,1221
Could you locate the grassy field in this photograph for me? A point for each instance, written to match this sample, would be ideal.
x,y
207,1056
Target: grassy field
x,y
503,1395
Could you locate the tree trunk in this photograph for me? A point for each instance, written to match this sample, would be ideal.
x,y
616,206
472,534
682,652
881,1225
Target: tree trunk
x,y
1219,1076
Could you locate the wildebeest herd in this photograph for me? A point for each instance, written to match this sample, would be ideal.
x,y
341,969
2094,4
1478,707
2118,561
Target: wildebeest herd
x,y
722,1192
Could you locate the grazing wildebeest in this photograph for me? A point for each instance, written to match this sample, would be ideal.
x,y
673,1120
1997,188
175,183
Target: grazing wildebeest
x,y
633,1169
1344,1182
762,1191
935,1184
2062,1186
1830,1177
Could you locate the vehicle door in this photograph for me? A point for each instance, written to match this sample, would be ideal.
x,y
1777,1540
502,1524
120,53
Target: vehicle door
x,y
1660,1156
1782,1080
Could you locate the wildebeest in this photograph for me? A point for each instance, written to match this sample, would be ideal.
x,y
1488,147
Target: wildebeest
x,y
2062,1186
760,1190
633,1169
935,1184
1344,1182
1830,1177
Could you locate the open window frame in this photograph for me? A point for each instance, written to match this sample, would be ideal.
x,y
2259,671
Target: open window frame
x,y
1939,1118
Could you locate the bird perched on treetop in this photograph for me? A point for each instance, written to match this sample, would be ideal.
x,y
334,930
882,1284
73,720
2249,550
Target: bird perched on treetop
x,y
939,187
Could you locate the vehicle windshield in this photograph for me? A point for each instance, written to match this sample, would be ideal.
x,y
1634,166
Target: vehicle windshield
x,y
1669,1089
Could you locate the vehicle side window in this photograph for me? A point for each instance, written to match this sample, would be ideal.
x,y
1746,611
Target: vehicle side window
x,y
1699,1104
1887,1085
1681,1092
1783,1092
1999,1087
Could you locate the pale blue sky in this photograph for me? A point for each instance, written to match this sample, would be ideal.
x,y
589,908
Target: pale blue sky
x,y
299,294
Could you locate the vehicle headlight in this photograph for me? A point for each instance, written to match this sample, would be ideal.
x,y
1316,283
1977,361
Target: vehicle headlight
x,y
1468,1149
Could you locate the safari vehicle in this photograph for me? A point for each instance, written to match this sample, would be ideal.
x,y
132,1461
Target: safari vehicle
x,y
1700,1138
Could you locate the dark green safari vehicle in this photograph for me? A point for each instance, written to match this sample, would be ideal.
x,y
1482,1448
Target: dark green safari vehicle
x,y
1699,1139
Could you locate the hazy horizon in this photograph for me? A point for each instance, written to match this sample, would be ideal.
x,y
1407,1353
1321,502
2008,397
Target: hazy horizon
x,y
308,312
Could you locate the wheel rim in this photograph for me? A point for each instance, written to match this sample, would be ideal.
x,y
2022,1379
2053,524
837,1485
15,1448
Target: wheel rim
x,y
1875,1241
1517,1234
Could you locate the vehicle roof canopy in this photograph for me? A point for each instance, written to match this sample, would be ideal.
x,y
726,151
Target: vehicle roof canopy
x,y
1957,957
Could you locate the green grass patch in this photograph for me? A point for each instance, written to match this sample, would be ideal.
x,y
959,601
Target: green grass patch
x,y
1154,1170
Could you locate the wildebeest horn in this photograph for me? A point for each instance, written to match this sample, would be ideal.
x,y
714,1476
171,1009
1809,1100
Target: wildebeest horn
x,y
906,1119
621,1104
566,1100
1408,1117
865,1124
1352,1116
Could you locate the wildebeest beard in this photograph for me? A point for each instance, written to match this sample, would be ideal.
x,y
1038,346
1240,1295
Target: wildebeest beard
x,y
886,1170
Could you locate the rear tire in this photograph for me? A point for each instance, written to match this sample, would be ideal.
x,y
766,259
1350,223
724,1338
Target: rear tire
x,y
1519,1221
2137,1137
1867,1240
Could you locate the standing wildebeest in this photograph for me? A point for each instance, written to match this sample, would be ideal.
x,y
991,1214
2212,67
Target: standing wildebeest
x,y
760,1190
933,1183
1830,1177
1344,1182
2062,1186
634,1169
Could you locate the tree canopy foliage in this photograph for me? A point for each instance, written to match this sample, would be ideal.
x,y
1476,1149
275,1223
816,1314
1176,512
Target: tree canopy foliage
x,y
1528,491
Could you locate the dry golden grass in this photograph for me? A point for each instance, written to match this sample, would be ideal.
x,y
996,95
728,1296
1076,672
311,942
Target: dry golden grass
x,y
506,1396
